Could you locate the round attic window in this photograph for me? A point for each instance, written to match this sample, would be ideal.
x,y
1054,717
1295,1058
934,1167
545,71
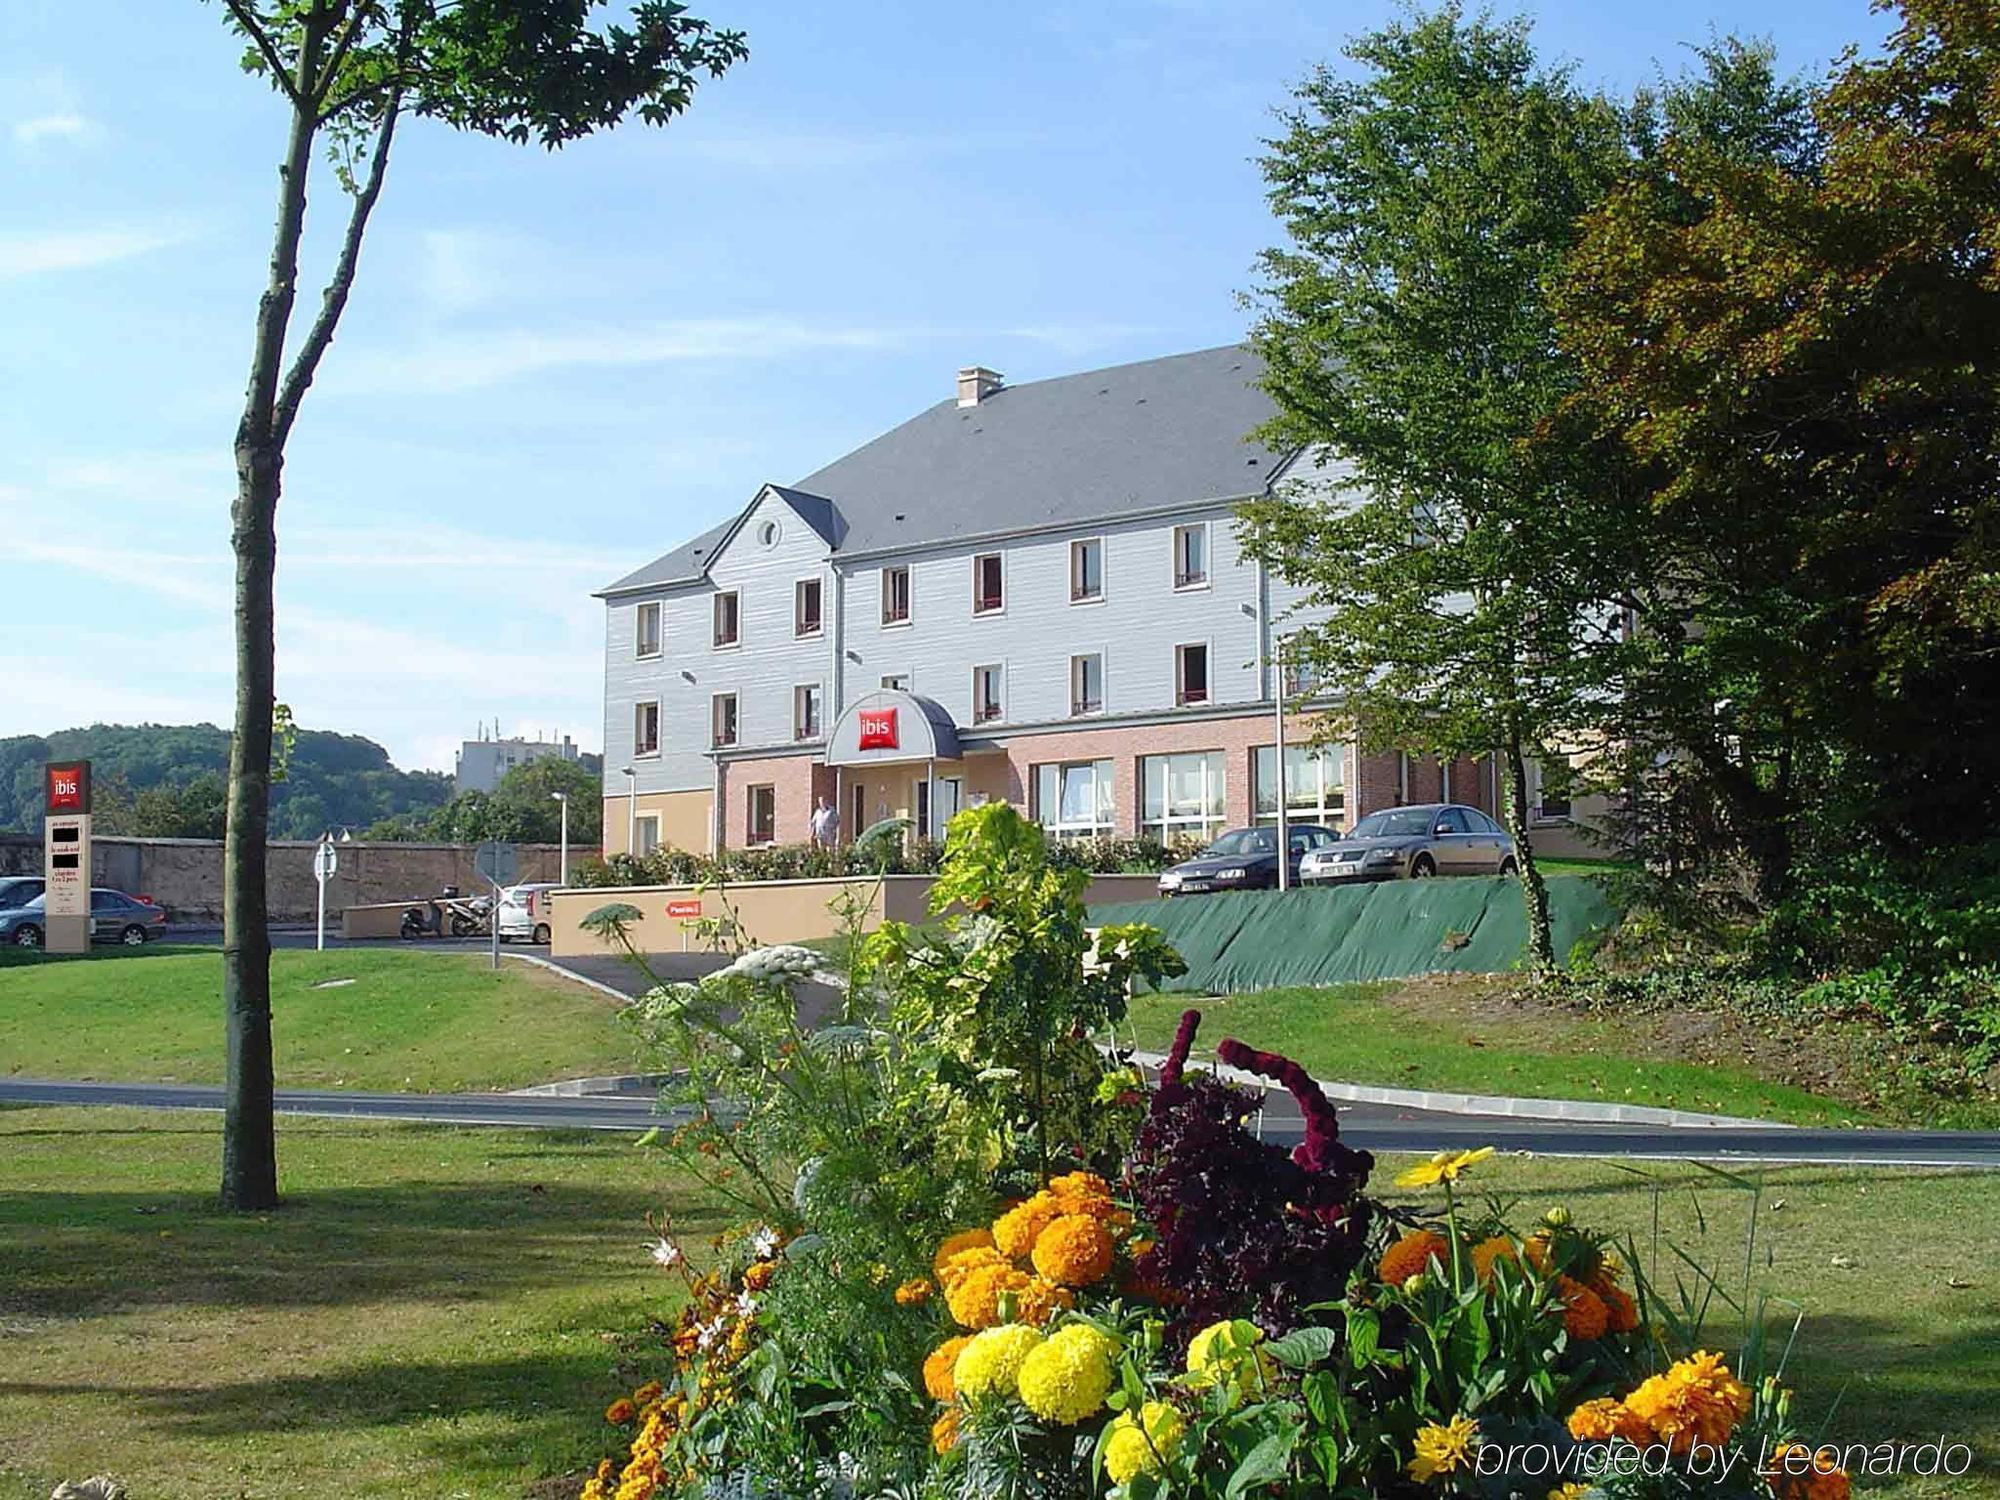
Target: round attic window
x,y
767,534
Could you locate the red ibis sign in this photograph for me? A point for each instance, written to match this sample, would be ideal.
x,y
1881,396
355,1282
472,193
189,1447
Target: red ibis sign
x,y
66,786
878,729
691,908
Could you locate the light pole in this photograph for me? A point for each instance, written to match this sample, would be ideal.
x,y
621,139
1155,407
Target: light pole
x,y
631,813
1278,755
563,798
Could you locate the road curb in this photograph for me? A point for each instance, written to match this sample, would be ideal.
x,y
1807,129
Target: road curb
x,y
1582,1111
615,1085
555,968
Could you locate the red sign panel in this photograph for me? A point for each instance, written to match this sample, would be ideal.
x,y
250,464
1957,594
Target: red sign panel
x,y
66,786
878,729
684,908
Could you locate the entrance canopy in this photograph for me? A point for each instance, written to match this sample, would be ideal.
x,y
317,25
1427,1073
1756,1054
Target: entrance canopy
x,y
886,727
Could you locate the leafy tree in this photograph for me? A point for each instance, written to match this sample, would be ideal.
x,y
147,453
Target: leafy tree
x,y
523,808
349,72
1797,347
1462,570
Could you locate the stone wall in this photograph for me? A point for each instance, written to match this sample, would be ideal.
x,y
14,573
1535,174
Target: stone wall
x,y
185,875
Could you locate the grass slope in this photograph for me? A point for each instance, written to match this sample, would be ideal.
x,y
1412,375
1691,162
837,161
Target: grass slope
x,y
1422,1036
425,1022
431,1313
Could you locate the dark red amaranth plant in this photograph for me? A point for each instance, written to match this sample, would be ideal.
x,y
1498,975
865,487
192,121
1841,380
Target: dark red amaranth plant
x,y
1244,1227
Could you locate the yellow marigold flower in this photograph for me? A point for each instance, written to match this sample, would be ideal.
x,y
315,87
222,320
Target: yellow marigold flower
x,y
1444,1167
593,1489
913,1293
1015,1231
1569,1492
944,1433
1145,1445
939,1365
1794,1476
1065,1377
974,1298
1412,1255
1074,1250
1490,1252
965,1239
759,1275
1443,1449
1621,1311
1584,1313
619,1412
991,1362
1697,1399
648,1393
1230,1350
1603,1419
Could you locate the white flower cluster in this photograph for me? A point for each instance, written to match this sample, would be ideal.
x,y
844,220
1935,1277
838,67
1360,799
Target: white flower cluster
x,y
783,963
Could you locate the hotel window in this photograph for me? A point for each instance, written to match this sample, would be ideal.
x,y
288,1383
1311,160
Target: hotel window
x,y
1190,675
1315,784
646,728
898,681
727,618
647,826
1183,795
762,825
1549,806
646,631
1086,570
805,607
987,702
1073,799
988,594
895,596
1191,555
805,711
722,719
1086,683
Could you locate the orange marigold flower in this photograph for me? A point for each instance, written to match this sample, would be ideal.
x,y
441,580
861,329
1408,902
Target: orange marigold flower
x,y
1080,1185
1602,1419
965,1239
974,1298
913,1293
1584,1313
1795,1473
648,1393
1074,1251
1039,1301
759,1275
1489,1252
939,1365
1621,1311
1410,1255
944,1433
619,1412
1540,1252
1697,1399
1015,1231
965,1262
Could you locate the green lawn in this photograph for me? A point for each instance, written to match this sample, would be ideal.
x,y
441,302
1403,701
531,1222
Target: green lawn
x,y
427,1022
1431,1036
433,1312
1897,1274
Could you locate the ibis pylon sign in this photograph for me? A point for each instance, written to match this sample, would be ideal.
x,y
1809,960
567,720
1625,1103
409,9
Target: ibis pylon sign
x,y
66,855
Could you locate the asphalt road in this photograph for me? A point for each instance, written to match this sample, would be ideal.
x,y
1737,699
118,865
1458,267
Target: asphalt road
x,y
1375,1127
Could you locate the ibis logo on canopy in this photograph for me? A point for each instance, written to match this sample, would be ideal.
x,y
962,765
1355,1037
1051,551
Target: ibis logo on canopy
x,y
67,786
878,729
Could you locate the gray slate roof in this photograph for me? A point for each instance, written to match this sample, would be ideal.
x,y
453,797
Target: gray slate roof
x,y
1079,448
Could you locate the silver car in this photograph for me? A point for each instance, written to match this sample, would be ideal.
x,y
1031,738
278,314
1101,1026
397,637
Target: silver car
x,y
1436,838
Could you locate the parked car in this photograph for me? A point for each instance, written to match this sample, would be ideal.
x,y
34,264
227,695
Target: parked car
x,y
1437,838
524,912
19,890
114,918
1243,859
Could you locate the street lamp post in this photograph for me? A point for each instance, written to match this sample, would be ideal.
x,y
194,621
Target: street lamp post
x,y
631,813
1278,754
563,798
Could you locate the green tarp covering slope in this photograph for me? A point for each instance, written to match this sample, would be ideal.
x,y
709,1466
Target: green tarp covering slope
x,y
1257,940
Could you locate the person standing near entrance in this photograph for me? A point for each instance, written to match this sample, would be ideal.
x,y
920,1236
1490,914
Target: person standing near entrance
x,y
825,824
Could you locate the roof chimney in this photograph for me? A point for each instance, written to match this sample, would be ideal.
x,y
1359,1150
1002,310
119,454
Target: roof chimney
x,y
976,383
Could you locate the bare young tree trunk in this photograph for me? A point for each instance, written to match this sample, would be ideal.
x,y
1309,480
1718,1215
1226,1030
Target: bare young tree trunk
x,y
1534,891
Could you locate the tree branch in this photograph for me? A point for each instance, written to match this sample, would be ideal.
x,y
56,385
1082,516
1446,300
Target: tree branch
x,y
254,29
342,43
334,301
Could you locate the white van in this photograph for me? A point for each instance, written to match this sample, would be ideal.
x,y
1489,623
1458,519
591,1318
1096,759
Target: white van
x,y
525,912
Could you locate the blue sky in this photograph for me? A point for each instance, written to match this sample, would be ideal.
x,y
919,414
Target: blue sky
x,y
558,366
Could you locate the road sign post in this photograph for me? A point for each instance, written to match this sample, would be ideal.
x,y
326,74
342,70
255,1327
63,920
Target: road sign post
x,y
326,863
497,863
66,856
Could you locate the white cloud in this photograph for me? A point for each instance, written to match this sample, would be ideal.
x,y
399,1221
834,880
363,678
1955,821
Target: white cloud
x,y
476,360
59,126
29,252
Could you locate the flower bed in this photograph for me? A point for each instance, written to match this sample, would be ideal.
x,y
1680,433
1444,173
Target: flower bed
x,y
983,1262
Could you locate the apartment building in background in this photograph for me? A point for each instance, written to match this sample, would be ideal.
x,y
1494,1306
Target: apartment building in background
x,y
484,761
1028,592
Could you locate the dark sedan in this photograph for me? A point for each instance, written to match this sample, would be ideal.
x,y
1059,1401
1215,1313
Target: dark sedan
x,y
1439,838
1243,859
